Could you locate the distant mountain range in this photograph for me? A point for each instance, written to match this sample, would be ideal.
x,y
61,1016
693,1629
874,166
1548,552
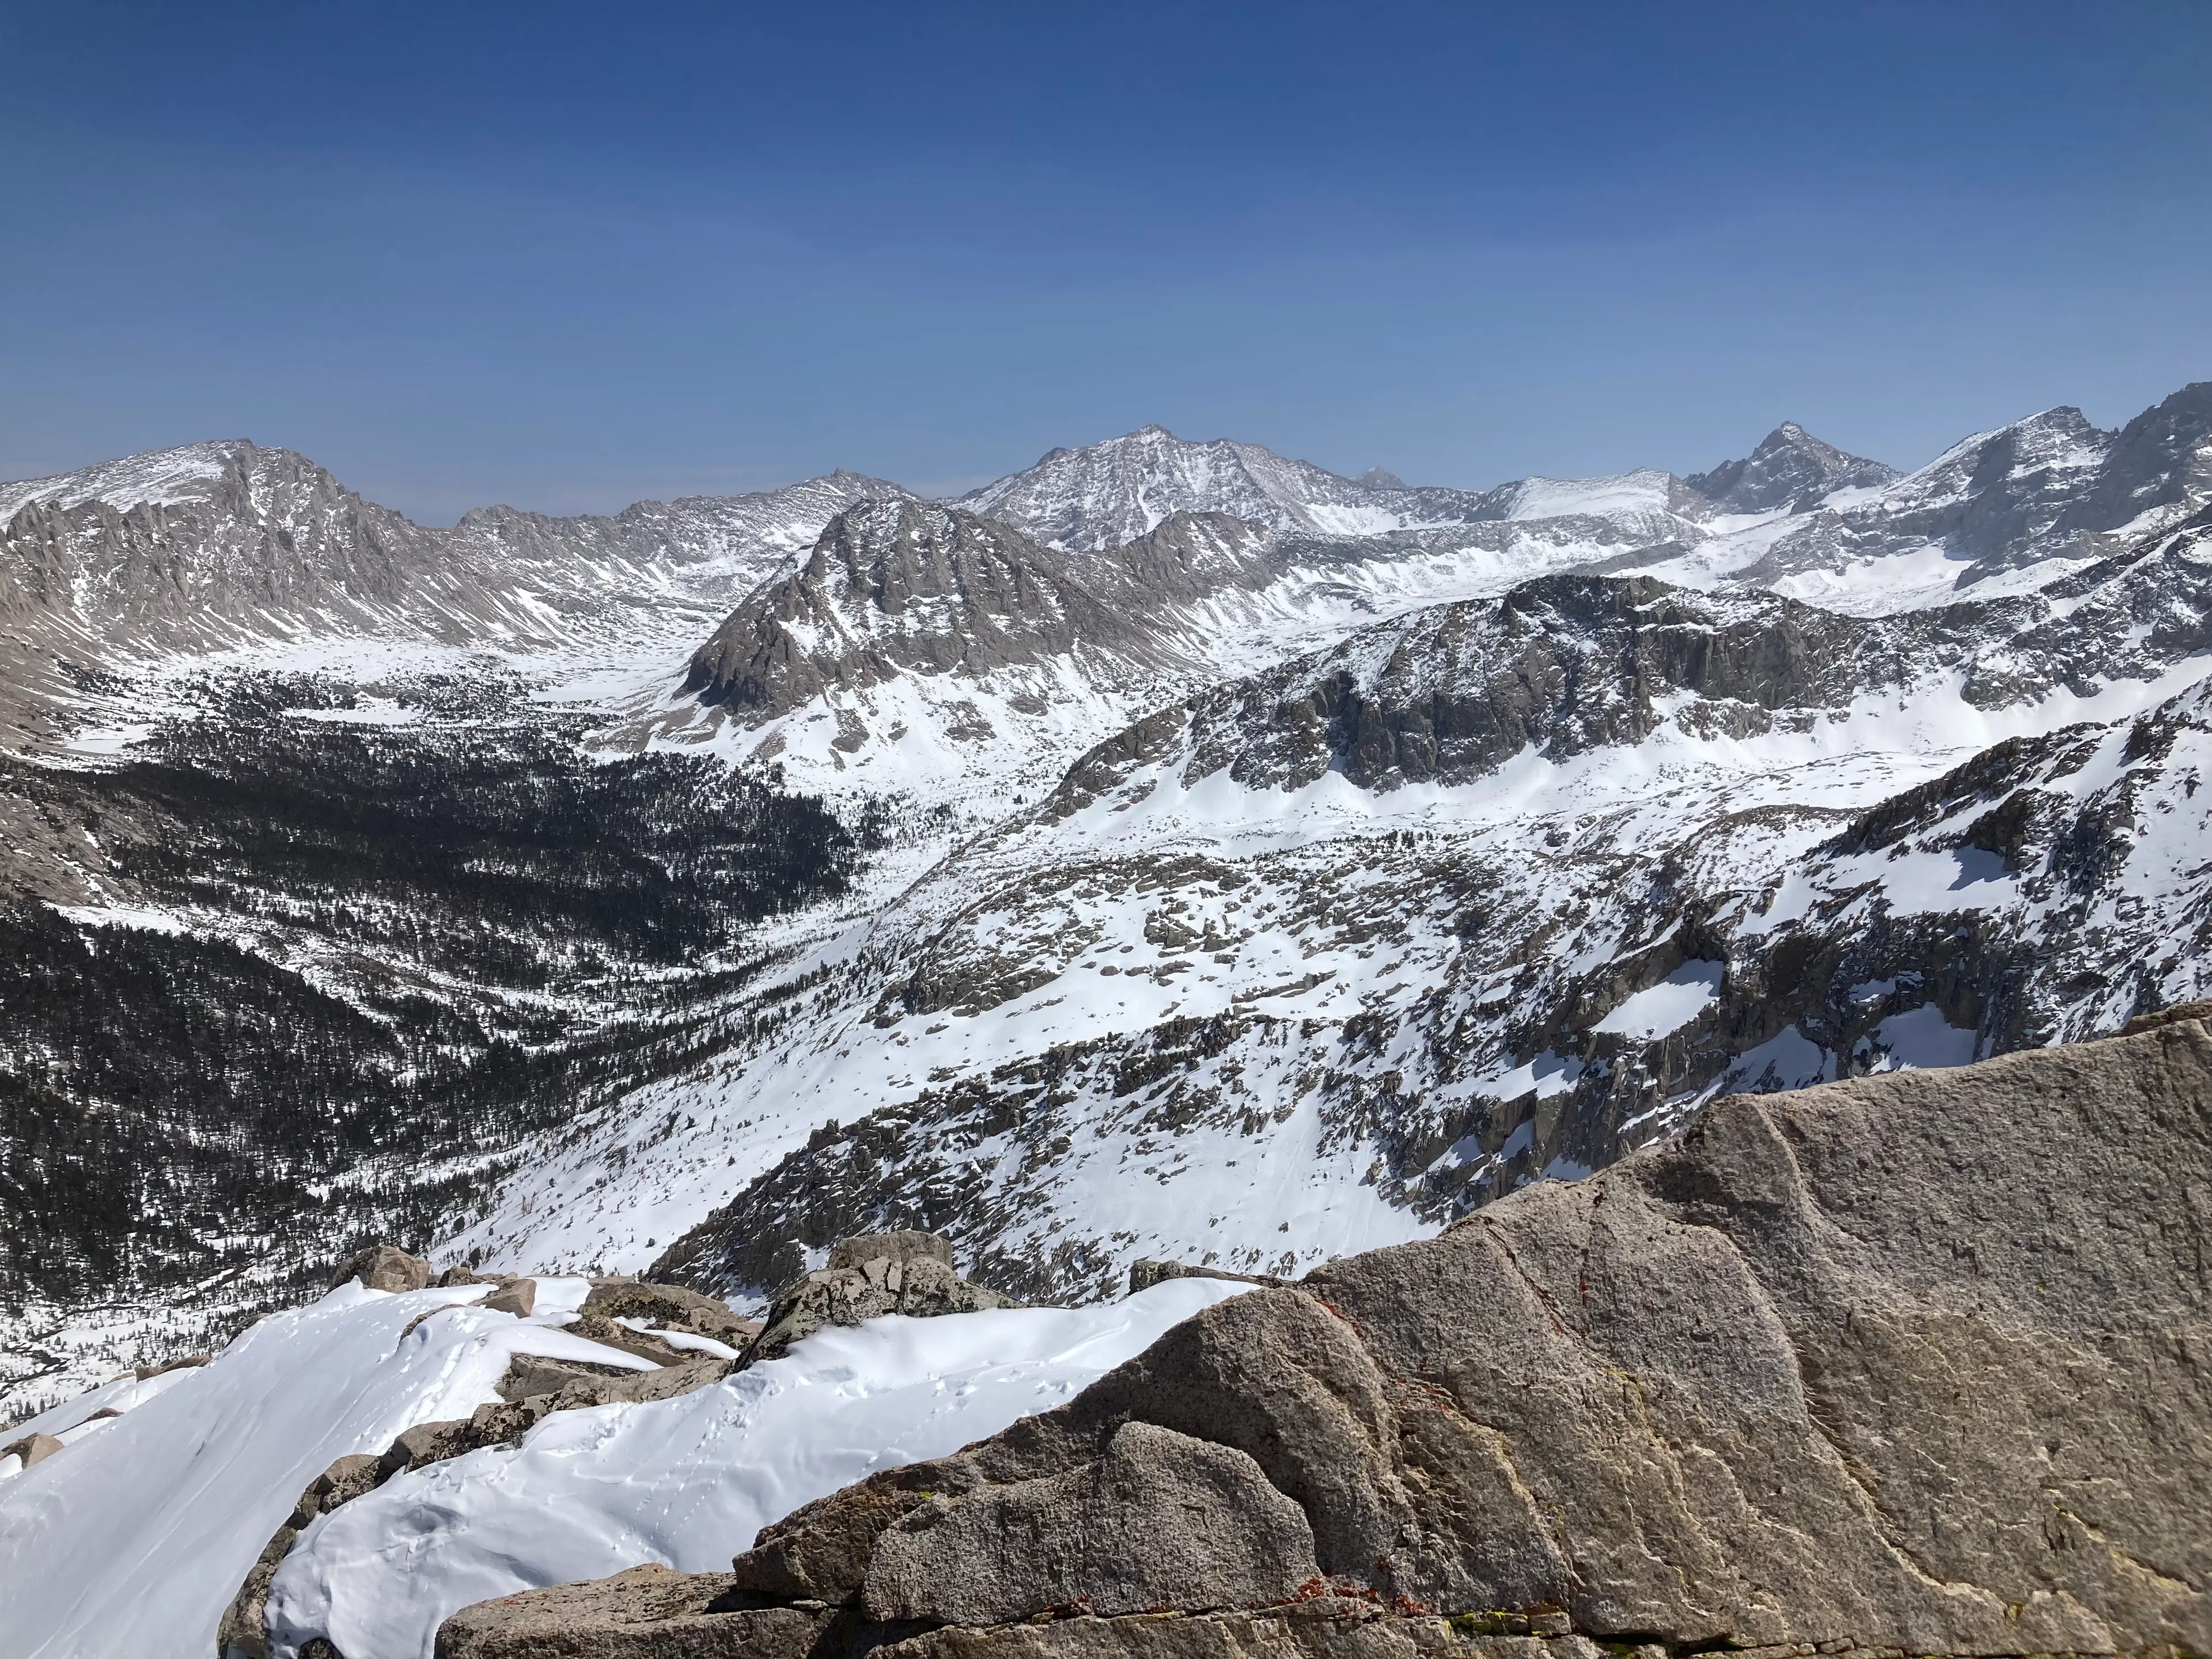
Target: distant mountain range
x,y
1171,850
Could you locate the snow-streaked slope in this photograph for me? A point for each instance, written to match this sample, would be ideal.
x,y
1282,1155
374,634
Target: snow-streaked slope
x,y
1312,960
688,1482
159,477
134,1538
2005,510
229,551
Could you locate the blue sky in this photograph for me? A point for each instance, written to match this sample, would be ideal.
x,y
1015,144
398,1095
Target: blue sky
x,y
567,256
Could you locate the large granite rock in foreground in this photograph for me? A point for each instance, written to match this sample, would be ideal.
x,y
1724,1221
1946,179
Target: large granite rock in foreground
x,y
1914,1363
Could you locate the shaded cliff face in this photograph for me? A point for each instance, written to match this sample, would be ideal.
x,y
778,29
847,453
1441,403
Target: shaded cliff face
x,y
1854,1368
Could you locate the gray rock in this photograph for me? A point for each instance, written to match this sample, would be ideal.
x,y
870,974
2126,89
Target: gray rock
x,y
869,1276
647,1612
529,1374
1326,1627
599,1328
384,1267
1161,1520
671,1307
187,1362
514,1296
899,1247
32,1448
1842,1369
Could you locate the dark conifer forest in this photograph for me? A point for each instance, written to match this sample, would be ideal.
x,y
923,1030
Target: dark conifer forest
x,y
409,945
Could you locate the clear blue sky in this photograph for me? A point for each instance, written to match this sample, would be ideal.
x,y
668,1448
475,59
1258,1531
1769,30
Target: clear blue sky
x,y
567,256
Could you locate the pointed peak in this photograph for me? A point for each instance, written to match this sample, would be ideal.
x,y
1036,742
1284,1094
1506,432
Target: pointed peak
x,y
1791,468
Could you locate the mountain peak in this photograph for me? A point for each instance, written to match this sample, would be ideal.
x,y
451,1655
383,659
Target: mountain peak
x,y
1789,468
1110,493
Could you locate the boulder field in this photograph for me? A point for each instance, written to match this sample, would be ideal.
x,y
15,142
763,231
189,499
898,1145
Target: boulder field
x,y
1912,1364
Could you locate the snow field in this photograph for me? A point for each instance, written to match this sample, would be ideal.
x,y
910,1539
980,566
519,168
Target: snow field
x,y
688,1482
134,1538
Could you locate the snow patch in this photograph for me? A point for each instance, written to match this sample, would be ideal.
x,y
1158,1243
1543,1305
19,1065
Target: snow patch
x,y
689,1481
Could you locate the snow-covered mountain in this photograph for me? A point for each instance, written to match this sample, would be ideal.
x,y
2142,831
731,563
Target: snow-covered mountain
x,y
2005,509
1107,493
1172,849
230,546
1790,469
1315,960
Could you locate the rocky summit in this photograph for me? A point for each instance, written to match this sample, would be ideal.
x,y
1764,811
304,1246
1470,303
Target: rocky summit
x,y
1856,1369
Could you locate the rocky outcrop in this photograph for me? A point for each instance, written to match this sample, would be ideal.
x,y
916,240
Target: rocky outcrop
x,y
670,1307
513,1295
648,1611
32,1448
384,1267
869,1276
1861,1368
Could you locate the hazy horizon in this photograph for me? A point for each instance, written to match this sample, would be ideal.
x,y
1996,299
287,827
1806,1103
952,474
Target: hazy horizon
x,y
548,257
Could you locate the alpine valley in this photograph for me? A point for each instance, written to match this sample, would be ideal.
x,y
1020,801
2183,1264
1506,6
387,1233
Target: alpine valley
x,y
1172,850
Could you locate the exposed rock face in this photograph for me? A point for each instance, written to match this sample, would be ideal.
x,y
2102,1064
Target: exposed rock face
x,y
868,1276
648,1611
1161,1520
898,586
384,1267
670,1308
1848,1366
